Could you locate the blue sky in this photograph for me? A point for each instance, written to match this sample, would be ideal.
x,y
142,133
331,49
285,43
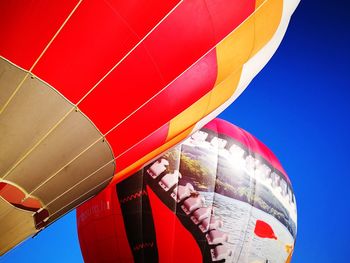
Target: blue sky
x,y
299,106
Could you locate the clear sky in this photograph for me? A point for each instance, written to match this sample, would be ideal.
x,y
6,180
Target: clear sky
x,y
299,106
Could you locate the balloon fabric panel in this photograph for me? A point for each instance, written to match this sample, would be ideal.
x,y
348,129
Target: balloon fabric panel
x,y
108,215
28,26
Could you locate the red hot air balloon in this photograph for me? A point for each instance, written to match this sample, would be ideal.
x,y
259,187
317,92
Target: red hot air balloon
x,y
90,89
220,196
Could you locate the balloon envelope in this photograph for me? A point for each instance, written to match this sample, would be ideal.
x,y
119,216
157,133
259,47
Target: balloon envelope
x,y
220,196
93,89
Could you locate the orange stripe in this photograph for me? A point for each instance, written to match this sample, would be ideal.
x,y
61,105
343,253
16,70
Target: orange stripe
x,y
267,21
244,42
191,115
259,3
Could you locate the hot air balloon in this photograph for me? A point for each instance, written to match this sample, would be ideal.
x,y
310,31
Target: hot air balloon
x,y
220,196
90,89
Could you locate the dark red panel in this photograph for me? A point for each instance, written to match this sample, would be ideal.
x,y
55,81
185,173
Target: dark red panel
x,y
182,38
227,15
26,27
99,35
142,15
187,89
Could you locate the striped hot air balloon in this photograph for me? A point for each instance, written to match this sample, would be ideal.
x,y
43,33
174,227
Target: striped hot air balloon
x,y
220,196
90,89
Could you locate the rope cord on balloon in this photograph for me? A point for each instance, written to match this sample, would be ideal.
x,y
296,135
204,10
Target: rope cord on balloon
x,y
36,145
86,178
29,73
76,199
40,56
78,183
128,53
90,175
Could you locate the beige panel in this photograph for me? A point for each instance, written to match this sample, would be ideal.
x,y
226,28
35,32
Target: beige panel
x,y
32,112
66,142
89,162
10,78
76,196
15,225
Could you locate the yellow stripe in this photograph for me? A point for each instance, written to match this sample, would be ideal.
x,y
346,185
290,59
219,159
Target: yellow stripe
x,y
258,3
191,115
232,53
244,42
140,163
267,21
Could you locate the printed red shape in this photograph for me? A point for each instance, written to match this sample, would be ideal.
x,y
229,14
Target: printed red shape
x,y
264,230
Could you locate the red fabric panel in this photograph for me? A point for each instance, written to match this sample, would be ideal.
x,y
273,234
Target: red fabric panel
x,y
185,36
256,146
99,35
123,91
142,15
123,250
175,243
227,15
187,89
26,27
121,141
101,231
93,41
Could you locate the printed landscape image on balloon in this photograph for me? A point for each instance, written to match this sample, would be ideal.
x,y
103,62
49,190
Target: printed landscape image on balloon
x,y
220,196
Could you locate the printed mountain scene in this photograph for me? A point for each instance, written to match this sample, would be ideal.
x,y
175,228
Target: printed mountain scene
x,y
209,170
